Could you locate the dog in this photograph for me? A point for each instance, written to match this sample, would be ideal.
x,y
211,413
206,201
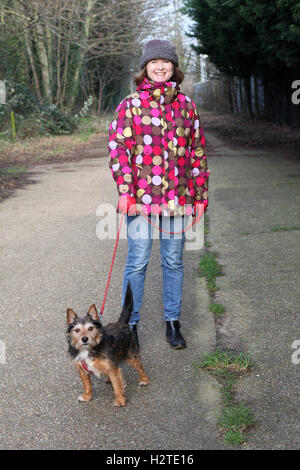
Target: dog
x,y
98,350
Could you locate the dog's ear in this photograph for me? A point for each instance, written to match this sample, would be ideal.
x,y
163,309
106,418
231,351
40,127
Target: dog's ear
x,y
93,312
71,315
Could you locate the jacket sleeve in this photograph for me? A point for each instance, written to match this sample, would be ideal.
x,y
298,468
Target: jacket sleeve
x,y
121,143
198,161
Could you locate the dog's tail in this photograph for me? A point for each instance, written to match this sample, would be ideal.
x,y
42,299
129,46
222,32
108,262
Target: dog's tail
x,y
128,306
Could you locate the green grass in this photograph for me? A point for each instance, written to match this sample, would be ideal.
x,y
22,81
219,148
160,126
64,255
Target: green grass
x,y
209,267
222,361
283,229
227,391
93,124
234,438
88,128
212,287
279,229
218,309
236,419
227,366
12,171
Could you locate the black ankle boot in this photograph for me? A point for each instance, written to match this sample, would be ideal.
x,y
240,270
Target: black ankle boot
x,y
174,337
135,335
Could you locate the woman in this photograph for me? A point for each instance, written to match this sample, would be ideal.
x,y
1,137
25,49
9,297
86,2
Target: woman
x,y
157,159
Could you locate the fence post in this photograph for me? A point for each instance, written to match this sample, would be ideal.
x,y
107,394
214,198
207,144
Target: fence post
x,y
13,124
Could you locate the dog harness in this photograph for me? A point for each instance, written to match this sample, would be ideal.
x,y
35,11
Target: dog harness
x,y
87,370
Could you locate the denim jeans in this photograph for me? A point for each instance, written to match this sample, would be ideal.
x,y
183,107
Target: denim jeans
x,y
140,238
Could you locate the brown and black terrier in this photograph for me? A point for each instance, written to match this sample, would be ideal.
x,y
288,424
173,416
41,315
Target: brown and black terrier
x,y
97,350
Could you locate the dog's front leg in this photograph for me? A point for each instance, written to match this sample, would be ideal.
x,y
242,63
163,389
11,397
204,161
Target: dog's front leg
x,y
87,384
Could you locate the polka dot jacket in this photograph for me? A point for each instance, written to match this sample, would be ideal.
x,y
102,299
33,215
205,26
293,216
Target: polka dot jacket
x,y
156,147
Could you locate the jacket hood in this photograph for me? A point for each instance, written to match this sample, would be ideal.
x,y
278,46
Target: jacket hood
x,y
160,91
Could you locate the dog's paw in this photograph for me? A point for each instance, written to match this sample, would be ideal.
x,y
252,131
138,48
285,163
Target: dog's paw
x,y
84,398
144,382
120,402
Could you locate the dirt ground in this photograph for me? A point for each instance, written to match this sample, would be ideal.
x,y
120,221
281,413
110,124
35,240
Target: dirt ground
x,y
235,132
15,163
259,135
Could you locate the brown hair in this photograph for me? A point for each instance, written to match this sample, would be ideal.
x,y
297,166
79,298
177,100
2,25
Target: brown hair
x,y
177,76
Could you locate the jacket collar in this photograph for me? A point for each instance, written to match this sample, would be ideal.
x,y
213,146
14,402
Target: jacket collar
x,y
160,91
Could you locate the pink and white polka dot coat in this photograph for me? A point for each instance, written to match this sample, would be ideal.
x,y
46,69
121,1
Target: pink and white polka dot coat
x,y
157,150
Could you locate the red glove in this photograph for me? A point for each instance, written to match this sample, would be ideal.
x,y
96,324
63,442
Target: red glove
x,y
200,208
127,205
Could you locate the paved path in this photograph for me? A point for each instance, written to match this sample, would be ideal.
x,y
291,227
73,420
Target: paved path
x,y
252,193
51,259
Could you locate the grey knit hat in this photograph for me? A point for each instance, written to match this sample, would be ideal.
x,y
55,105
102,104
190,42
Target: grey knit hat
x,y
158,49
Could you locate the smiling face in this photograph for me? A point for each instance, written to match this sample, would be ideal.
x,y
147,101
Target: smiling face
x,y
160,70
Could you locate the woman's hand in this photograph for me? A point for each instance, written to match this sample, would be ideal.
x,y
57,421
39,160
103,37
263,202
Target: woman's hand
x,y
200,208
127,205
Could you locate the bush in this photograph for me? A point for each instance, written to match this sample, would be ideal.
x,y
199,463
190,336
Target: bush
x,y
32,117
54,121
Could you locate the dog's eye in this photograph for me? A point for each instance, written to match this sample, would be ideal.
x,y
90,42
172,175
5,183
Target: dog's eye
x,y
91,328
77,330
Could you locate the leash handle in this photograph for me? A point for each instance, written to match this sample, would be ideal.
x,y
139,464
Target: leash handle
x,y
112,263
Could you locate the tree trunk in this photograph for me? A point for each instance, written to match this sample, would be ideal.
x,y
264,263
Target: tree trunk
x,y
43,59
248,96
82,52
32,65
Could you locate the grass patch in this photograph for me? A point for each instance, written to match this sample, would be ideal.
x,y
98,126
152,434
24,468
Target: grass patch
x,y
234,438
12,171
234,423
209,267
284,229
222,361
44,146
56,150
227,367
93,124
236,418
279,229
218,309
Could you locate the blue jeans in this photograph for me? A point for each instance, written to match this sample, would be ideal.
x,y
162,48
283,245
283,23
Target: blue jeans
x,y
139,234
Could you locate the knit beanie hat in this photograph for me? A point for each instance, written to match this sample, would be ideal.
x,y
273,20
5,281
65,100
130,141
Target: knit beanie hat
x,y
158,49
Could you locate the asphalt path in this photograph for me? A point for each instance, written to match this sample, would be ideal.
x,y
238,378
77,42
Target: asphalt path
x,y
254,226
52,258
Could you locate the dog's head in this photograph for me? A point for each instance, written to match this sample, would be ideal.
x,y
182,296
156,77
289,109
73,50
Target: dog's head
x,y
86,332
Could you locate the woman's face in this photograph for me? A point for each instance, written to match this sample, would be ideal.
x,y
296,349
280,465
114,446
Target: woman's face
x,y
160,70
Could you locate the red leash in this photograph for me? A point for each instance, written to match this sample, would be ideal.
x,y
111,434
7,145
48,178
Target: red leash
x,y
112,263
195,221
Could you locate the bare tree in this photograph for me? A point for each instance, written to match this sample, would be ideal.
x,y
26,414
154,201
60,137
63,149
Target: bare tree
x,y
61,36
